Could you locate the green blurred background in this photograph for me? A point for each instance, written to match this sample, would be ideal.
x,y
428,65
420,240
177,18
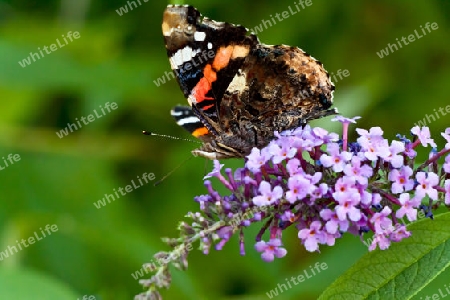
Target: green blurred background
x,y
116,59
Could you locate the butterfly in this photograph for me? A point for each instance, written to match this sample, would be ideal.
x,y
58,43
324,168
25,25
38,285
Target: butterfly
x,y
240,91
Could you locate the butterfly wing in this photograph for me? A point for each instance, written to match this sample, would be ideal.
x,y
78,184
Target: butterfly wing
x,y
205,56
240,91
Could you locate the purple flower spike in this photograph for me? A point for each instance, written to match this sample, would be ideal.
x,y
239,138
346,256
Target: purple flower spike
x,y
307,181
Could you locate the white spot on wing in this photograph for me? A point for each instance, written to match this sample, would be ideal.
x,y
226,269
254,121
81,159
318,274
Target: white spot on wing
x,y
189,120
238,83
199,36
176,60
176,113
182,56
209,46
186,54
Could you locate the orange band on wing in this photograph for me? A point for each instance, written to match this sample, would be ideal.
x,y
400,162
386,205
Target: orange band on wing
x,y
201,89
209,73
208,106
200,132
222,58
205,84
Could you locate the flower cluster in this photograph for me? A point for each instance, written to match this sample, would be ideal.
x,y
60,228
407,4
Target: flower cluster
x,y
323,186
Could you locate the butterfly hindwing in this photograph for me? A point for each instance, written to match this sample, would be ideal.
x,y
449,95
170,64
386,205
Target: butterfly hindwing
x,y
185,117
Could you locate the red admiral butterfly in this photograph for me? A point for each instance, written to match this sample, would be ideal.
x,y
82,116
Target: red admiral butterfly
x,y
239,90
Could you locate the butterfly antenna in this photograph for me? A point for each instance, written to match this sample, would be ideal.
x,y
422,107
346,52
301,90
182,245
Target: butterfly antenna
x,y
145,132
168,174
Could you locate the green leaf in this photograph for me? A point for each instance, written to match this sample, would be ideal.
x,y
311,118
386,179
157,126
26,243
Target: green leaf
x,y
27,284
401,271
